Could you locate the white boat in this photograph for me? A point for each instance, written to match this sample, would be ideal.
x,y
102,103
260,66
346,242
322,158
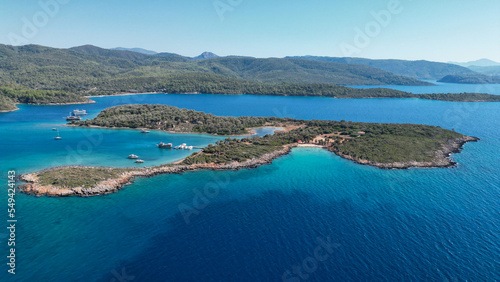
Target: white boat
x,y
139,161
55,129
57,137
133,156
144,131
79,112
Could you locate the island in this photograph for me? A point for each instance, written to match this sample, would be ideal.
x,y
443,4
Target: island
x,y
471,79
196,83
382,145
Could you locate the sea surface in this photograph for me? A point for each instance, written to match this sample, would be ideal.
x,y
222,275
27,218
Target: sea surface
x,y
309,215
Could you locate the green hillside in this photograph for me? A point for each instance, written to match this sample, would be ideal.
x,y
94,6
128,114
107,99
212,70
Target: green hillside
x,y
420,69
471,79
81,68
41,75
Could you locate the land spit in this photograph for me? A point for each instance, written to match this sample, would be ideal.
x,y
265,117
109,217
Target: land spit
x,y
34,187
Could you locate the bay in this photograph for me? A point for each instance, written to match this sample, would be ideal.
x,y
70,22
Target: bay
x,y
257,224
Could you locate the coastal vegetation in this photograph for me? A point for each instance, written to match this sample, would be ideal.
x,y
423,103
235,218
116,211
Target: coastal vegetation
x,y
173,119
375,142
11,95
384,145
80,177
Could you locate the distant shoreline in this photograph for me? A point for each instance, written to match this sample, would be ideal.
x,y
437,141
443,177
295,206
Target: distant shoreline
x,y
417,96
123,94
49,104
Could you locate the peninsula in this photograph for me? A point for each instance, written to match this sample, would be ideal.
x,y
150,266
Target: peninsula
x,y
206,83
383,145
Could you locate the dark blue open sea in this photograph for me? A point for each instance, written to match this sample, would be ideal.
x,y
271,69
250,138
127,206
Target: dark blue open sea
x,y
310,215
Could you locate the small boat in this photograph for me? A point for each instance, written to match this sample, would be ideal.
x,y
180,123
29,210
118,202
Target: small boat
x,y
133,156
79,112
57,137
139,161
72,118
54,129
144,131
162,145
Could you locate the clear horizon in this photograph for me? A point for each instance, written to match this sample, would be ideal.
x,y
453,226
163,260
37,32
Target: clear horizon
x,y
448,31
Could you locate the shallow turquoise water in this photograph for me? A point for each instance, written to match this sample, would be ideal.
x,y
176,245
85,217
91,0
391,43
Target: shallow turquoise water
x,y
254,225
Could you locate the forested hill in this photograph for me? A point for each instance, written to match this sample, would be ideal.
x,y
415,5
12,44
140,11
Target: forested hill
x,y
42,75
84,66
417,69
303,71
471,79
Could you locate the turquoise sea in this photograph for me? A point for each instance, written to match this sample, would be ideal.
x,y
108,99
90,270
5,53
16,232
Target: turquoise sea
x,y
263,224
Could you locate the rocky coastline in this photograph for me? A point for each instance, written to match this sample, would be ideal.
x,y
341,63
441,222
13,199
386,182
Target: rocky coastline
x,y
441,159
34,187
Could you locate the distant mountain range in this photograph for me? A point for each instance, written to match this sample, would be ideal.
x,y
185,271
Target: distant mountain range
x,y
478,63
202,56
489,70
137,50
36,66
205,56
36,74
483,66
473,72
82,67
416,69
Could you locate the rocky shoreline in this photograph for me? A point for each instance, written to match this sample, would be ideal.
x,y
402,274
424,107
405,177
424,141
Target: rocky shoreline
x,y
113,185
441,159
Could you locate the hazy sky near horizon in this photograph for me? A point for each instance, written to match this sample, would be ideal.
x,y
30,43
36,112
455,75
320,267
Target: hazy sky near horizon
x,y
446,30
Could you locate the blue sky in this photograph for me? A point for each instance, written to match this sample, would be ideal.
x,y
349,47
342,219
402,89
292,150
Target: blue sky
x,y
446,30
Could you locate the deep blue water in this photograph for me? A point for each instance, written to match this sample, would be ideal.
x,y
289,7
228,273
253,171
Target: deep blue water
x,y
441,87
257,224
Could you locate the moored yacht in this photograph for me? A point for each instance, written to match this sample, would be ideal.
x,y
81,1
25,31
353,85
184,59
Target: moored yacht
x,y
72,117
162,145
79,112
